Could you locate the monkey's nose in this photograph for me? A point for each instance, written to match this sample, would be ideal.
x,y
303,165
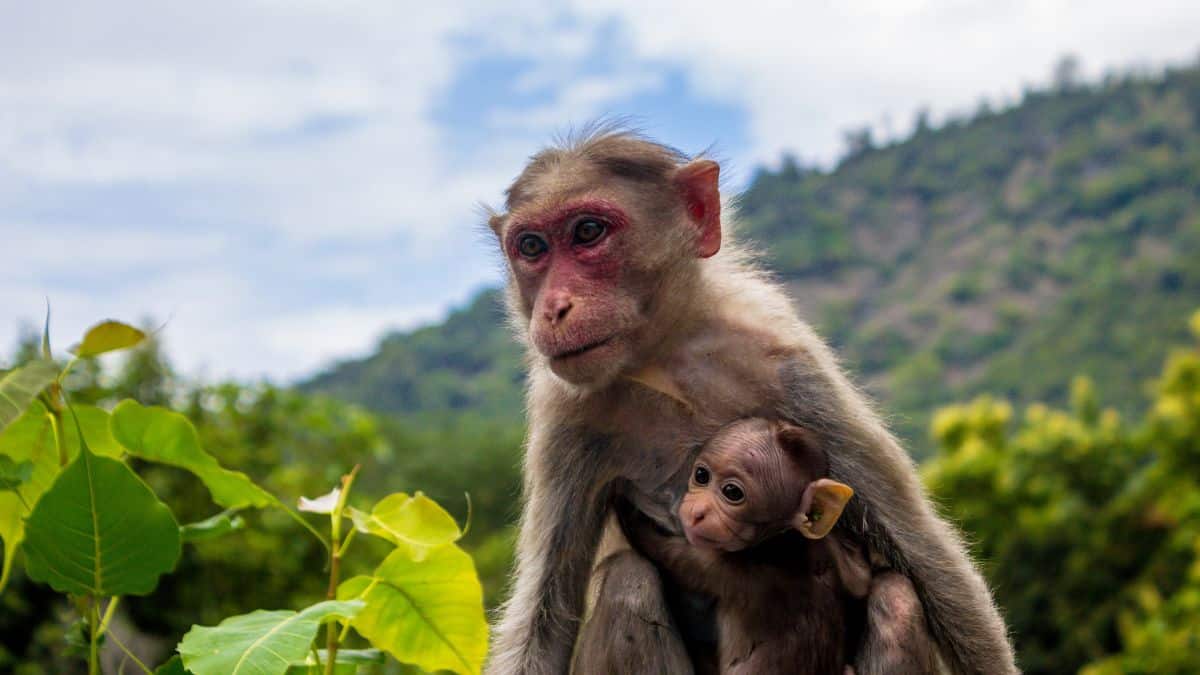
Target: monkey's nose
x,y
557,308
698,516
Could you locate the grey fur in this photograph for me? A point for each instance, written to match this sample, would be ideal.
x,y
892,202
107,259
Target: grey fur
x,y
732,341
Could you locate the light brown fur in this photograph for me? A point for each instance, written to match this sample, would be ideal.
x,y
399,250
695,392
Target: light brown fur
x,y
734,347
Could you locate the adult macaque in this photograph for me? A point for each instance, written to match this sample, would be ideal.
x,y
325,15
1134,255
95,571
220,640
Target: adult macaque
x,y
647,331
756,516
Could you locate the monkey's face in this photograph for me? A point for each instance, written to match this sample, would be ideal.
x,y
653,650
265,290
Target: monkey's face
x,y
712,512
593,259
570,266
744,487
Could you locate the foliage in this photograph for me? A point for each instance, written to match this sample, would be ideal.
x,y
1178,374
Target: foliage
x,y
92,528
1001,254
1088,526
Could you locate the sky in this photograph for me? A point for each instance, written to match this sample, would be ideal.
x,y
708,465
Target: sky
x,y
280,183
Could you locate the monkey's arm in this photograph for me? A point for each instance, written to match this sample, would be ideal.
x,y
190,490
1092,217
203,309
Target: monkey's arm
x,y
691,567
891,511
561,522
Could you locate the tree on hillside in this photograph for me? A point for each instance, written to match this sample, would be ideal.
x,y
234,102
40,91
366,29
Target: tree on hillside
x,y
1088,527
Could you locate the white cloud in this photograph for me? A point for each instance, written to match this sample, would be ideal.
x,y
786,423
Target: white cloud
x,y
806,71
317,336
250,170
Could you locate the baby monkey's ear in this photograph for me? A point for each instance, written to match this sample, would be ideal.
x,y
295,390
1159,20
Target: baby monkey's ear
x,y
821,506
794,440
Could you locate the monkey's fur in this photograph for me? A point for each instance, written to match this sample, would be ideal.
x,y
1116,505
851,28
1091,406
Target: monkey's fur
x,y
642,348
785,600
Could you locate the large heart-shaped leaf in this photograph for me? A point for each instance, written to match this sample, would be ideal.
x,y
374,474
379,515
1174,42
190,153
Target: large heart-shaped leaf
x,y
28,440
259,643
428,613
20,386
107,336
100,530
416,524
160,435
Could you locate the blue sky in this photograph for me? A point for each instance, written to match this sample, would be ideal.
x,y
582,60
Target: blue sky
x,y
284,182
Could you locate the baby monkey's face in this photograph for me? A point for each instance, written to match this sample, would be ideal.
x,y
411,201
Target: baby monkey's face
x,y
755,479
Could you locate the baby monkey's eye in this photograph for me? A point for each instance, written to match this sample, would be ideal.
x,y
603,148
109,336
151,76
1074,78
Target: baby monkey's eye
x,y
733,493
701,476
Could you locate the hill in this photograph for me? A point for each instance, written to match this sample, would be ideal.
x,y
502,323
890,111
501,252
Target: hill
x,y
1002,253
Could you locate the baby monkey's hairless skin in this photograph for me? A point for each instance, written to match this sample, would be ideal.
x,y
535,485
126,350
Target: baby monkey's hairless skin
x,y
792,596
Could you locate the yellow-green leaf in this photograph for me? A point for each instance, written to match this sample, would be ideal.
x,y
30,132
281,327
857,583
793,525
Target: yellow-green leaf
x,y
415,524
107,336
19,386
95,424
160,435
428,613
29,439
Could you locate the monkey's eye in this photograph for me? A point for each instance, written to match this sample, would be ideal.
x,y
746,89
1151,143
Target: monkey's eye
x,y
588,231
733,493
701,476
531,245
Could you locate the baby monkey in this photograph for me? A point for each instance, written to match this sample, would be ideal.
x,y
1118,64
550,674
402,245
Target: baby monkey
x,y
757,516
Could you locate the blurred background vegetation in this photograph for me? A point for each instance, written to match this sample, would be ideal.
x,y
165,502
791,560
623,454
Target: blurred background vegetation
x,y
1040,261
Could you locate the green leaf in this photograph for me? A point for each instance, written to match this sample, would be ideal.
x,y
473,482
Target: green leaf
x,y
261,642
428,613
12,531
347,661
29,439
172,667
20,386
46,335
12,474
160,435
211,528
100,530
415,524
96,429
107,336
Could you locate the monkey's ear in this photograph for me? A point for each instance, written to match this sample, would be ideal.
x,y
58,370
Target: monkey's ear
x,y
821,506
794,440
496,222
698,183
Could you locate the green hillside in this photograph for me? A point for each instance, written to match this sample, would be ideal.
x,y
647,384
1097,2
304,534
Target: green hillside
x,y
469,362
1002,253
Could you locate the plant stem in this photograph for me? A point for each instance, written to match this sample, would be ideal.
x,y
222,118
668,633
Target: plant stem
x,y
108,614
336,548
143,666
60,435
94,642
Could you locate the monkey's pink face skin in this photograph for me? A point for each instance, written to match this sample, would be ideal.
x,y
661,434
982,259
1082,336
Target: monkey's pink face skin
x,y
710,522
567,263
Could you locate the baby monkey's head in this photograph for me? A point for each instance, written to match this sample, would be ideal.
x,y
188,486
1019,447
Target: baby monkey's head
x,y
756,478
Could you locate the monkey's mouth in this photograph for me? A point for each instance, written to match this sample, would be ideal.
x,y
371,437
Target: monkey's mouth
x,y
696,539
580,351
